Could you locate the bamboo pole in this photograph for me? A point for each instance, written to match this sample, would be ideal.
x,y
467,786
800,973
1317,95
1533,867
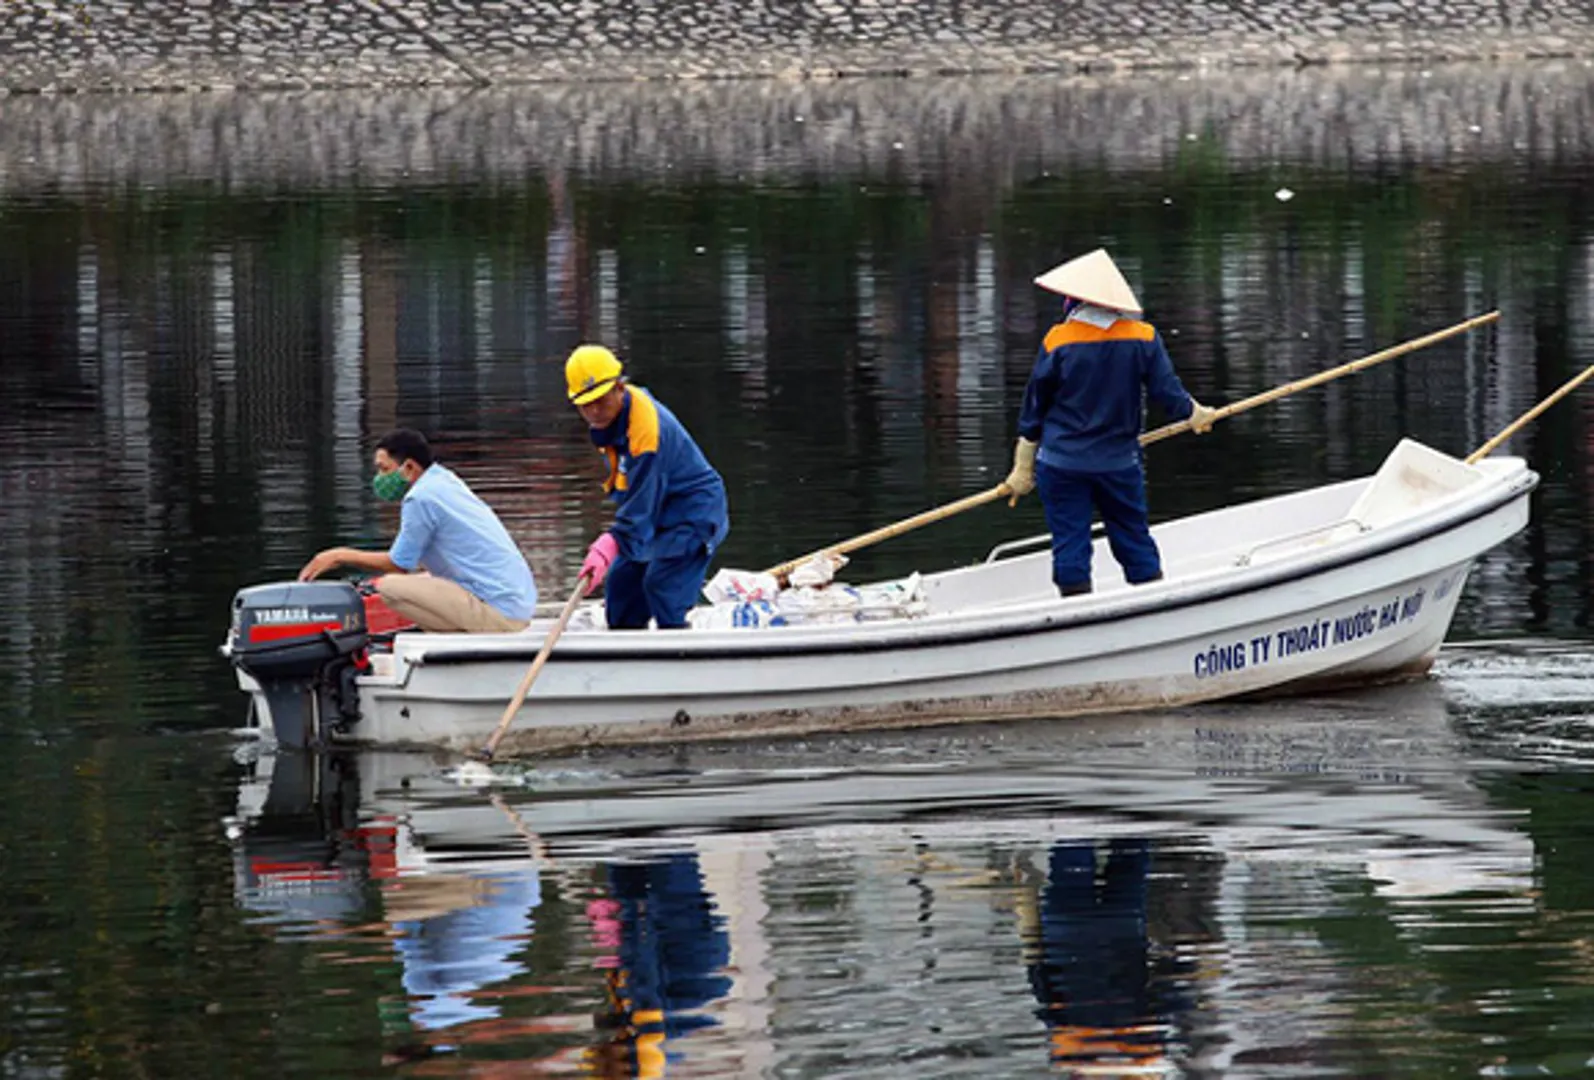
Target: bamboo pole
x,y
886,532
1528,417
940,513
536,667
1168,430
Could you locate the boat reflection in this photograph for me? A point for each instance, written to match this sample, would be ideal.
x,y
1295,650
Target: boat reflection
x,y
1100,896
460,918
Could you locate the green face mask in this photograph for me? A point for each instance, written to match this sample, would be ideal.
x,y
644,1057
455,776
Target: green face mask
x,y
389,486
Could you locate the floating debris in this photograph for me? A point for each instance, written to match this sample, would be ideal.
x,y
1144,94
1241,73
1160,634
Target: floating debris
x,y
473,774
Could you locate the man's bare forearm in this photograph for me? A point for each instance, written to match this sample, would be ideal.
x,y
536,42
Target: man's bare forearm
x,y
378,562
375,561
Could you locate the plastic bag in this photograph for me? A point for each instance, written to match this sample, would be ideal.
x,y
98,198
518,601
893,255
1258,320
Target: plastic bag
x,y
750,603
817,571
735,586
586,618
733,616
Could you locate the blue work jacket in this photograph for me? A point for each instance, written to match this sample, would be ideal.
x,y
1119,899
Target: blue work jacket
x,y
668,498
1085,402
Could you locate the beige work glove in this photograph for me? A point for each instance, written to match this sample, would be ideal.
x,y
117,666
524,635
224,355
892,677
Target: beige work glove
x,y
1022,479
1201,417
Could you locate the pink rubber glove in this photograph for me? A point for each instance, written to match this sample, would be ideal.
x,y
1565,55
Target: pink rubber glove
x,y
604,550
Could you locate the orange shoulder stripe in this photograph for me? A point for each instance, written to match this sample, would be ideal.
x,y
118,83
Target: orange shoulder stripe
x,y
642,433
1075,332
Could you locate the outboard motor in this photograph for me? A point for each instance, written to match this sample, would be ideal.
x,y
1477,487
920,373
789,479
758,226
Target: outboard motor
x,y
304,643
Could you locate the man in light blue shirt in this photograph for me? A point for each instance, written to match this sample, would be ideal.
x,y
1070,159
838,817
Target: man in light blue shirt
x,y
453,565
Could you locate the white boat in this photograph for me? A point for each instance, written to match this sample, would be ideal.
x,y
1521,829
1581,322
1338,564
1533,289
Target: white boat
x,y
1348,583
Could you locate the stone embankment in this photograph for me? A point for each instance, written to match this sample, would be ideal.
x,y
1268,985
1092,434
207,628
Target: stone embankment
x,y
87,45
988,131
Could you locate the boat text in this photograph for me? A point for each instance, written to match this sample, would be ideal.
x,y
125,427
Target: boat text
x,y
272,616
1289,642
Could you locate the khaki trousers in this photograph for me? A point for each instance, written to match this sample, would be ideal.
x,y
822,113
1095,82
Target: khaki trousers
x,y
433,603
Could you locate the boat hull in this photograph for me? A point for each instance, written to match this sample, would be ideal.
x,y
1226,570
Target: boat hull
x,y
1047,675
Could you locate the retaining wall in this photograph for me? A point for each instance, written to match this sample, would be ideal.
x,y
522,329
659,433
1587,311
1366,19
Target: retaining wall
x,y
76,45
984,130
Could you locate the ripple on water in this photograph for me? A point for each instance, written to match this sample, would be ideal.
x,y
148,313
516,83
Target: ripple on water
x,y
1526,701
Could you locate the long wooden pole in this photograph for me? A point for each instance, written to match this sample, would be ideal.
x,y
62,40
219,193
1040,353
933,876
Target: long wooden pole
x,y
1245,404
1528,417
886,532
940,513
536,667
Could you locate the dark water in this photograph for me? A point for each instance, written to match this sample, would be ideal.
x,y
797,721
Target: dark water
x,y
209,307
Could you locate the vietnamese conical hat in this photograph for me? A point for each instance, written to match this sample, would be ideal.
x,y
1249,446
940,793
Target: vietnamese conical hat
x,y
1093,278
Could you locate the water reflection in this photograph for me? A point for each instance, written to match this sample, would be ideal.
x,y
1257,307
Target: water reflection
x,y
1089,961
664,953
465,917
1023,895
459,938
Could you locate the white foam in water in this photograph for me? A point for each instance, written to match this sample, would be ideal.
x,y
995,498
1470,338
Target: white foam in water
x,y
1518,674
473,774
478,774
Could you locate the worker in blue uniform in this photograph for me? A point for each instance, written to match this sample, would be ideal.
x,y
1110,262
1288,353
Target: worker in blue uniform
x,y
670,509
1079,428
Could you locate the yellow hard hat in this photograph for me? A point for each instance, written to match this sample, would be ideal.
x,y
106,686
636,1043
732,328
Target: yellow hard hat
x,y
590,372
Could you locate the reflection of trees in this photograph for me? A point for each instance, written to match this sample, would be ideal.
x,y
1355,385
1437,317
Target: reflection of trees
x,y
123,950
1407,949
213,336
